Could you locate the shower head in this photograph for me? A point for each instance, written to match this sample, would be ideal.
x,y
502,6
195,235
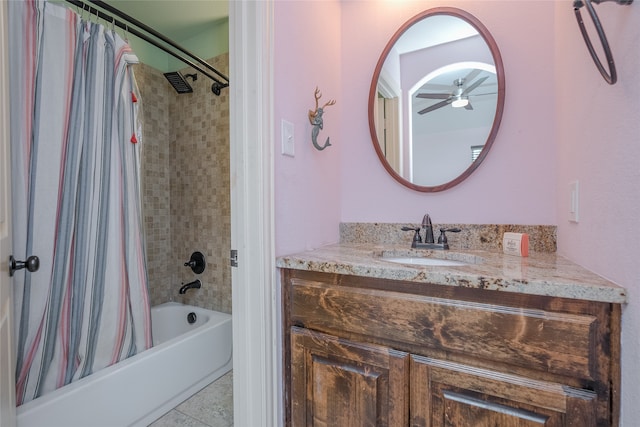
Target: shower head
x,y
179,82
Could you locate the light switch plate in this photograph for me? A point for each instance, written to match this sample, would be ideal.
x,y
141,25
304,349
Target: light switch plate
x,y
574,201
288,148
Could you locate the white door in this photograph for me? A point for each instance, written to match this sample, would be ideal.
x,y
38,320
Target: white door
x,y
7,386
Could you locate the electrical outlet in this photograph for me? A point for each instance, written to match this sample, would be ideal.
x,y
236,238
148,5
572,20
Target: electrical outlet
x,y
574,201
288,148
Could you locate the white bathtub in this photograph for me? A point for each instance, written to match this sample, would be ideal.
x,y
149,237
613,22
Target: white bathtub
x,y
135,392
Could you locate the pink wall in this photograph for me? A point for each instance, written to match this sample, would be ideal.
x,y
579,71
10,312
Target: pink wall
x,y
598,143
336,45
307,186
514,184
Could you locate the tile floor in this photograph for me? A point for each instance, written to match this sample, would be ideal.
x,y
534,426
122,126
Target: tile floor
x,y
210,407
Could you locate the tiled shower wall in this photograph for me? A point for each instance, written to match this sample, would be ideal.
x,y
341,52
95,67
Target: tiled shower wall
x,y
156,173
186,187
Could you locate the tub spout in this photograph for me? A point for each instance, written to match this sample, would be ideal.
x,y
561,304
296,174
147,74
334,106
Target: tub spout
x,y
196,284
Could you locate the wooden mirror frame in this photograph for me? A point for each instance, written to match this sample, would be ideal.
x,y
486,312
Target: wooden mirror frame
x,y
495,52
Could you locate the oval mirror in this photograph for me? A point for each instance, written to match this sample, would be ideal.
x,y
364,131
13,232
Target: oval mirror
x,y
436,99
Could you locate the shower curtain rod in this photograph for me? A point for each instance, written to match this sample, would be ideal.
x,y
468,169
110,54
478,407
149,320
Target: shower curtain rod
x,y
220,82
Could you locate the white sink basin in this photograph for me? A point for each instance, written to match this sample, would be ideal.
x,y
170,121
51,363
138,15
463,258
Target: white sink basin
x,y
424,261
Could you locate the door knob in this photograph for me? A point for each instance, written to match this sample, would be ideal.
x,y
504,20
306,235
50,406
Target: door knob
x,y
31,264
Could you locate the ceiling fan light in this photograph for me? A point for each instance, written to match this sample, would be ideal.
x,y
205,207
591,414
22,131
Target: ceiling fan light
x,y
460,102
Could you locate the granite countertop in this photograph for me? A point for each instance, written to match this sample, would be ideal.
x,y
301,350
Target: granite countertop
x,y
538,274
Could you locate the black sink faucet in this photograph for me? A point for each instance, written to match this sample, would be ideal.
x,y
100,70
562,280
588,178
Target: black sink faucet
x,y
196,284
429,243
428,229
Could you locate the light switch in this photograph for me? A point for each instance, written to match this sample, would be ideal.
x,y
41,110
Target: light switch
x,y
574,201
287,139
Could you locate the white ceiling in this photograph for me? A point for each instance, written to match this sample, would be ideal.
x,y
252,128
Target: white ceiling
x,y
432,31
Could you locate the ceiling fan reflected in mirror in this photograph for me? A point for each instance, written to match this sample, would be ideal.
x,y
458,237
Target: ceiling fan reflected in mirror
x,y
458,95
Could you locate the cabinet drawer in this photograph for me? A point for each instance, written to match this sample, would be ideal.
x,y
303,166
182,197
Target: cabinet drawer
x,y
467,396
558,343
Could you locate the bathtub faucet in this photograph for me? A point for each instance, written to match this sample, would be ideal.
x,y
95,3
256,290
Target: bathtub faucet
x,y
196,284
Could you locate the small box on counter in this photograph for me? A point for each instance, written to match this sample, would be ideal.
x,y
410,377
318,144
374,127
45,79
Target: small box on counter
x,y
516,244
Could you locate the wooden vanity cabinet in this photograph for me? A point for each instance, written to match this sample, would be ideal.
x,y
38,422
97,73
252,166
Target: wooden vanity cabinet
x,y
373,352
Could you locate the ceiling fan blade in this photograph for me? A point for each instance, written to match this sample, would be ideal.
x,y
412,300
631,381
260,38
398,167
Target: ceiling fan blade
x,y
433,95
435,106
468,107
483,94
472,75
436,86
474,85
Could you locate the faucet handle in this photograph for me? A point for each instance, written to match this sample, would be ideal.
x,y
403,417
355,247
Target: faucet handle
x,y
416,237
443,237
197,262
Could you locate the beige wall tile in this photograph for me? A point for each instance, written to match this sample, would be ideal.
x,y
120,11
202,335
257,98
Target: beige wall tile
x,y
186,187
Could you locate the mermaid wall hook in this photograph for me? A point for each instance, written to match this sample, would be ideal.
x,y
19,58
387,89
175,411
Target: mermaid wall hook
x,y
315,118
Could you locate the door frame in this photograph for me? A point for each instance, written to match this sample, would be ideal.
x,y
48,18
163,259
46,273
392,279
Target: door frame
x,y
7,359
256,382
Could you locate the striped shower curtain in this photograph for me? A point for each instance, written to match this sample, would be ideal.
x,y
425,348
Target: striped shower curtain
x,y
76,198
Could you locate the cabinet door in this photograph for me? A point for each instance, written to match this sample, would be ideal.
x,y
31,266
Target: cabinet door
x,y
445,394
336,382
